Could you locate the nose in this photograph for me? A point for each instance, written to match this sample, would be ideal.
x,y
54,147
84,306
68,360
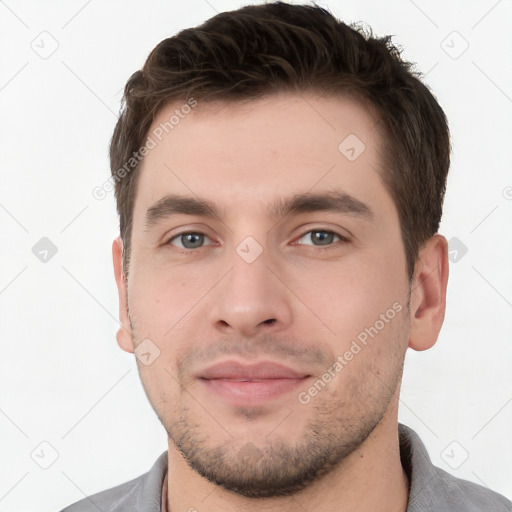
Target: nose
x,y
251,299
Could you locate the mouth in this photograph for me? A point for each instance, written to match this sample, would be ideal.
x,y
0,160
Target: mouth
x,y
246,385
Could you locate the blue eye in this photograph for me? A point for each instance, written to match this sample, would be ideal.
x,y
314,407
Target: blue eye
x,y
189,240
319,238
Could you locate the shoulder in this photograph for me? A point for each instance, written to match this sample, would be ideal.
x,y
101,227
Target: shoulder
x,y
140,494
107,500
470,497
432,488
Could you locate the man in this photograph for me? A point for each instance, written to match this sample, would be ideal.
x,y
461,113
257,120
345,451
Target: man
x,y
279,179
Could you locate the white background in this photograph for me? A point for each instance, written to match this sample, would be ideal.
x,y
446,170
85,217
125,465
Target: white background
x,y
65,382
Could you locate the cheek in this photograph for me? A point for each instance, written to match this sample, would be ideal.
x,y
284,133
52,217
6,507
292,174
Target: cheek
x,y
161,299
370,331
372,361
165,307
349,301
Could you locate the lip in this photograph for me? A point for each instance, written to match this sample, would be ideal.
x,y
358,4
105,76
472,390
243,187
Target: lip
x,y
264,370
250,384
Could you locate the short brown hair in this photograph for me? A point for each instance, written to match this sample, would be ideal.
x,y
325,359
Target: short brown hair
x,y
260,50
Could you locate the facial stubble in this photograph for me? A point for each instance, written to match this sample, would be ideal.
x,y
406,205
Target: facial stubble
x,y
338,425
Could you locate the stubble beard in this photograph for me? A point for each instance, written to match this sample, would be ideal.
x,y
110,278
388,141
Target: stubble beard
x,y
278,468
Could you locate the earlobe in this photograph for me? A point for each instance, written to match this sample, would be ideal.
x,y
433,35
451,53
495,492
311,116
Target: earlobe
x,y
428,293
124,333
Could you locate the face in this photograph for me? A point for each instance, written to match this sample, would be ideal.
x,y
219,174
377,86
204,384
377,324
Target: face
x,y
267,299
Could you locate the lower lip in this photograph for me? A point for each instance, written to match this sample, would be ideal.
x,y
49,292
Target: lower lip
x,y
251,392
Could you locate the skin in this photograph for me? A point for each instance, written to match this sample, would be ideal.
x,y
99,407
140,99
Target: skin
x,y
295,304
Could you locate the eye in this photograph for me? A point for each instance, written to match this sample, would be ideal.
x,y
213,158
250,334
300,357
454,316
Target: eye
x,y
189,240
319,237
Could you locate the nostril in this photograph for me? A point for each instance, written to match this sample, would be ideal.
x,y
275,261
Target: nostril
x,y
269,321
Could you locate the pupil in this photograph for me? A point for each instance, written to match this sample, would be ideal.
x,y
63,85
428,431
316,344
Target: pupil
x,y
322,237
192,240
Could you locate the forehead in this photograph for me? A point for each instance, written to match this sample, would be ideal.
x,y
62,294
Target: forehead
x,y
260,150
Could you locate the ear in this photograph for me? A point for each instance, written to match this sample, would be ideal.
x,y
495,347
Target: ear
x,y
124,333
428,293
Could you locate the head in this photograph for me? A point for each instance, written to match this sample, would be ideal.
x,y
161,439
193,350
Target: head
x,y
279,179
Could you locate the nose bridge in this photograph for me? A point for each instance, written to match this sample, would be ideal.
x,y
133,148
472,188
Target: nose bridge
x,y
250,272
250,297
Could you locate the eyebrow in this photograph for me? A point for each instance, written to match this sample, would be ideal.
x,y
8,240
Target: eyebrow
x,y
332,201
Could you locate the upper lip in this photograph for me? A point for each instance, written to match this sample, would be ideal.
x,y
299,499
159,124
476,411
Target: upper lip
x,y
265,370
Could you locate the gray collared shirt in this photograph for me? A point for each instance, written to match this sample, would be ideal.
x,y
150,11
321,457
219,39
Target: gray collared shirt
x,y
431,488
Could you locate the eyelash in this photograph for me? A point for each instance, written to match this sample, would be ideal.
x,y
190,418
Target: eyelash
x,y
315,248
319,248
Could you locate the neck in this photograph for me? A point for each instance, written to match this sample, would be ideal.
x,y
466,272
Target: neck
x,y
371,478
